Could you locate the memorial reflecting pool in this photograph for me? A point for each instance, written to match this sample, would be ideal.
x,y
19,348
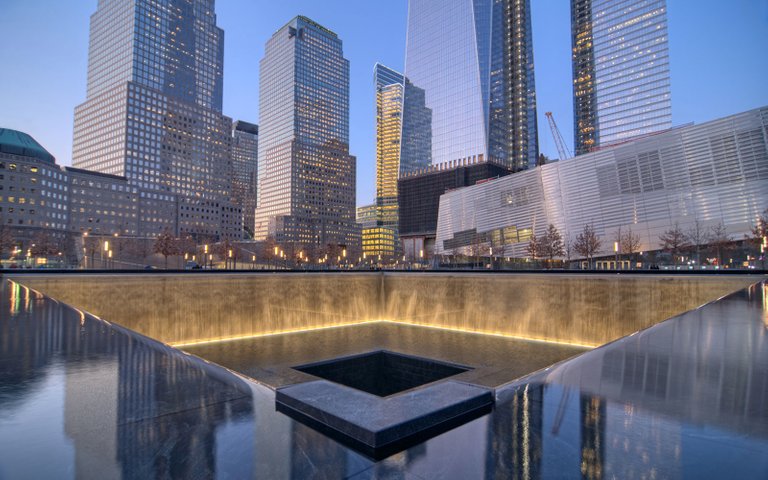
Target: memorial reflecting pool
x,y
686,398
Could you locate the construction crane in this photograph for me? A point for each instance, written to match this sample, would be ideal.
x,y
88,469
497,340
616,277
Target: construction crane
x,y
562,150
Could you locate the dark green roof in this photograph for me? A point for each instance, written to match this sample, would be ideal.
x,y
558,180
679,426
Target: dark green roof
x,y
19,143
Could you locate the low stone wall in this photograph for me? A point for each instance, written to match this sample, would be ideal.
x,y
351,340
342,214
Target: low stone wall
x,y
584,310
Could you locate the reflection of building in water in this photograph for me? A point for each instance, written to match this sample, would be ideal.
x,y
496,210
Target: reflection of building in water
x,y
157,412
592,437
639,446
38,338
723,380
89,391
315,452
515,439
151,444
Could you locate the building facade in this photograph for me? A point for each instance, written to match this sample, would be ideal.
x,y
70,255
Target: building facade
x,y
39,196
713,173
473,61
389,108
620,59
33,189
152,112
245,150
381,239
419,198
306,187
379,243
101,203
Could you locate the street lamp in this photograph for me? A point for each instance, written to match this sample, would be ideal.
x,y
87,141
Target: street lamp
x,y
106,249
616,252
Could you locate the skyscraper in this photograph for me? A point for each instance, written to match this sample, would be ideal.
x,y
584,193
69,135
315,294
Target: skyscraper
x,y
306,191
380,239
473,59
389,107
621,85
245,149
153,112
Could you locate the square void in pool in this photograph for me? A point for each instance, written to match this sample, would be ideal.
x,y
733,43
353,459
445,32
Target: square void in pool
x,y
382,373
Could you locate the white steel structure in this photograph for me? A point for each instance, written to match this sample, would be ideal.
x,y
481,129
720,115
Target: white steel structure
x,y
714,172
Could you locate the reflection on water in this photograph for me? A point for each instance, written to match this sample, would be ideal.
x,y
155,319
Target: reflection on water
x,y
684,400
583,310
129,409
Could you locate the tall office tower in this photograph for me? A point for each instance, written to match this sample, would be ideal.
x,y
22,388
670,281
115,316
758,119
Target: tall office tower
x,y
474,61
153,112
306,191
620,70
380,239
245,149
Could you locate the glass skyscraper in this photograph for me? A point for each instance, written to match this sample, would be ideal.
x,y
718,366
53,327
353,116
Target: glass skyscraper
x,y
153,112
306,191
473,60
621,84
380,239
389,107
245,150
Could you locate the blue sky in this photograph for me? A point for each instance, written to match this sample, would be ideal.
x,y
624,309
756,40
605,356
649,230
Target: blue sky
x,y
719,62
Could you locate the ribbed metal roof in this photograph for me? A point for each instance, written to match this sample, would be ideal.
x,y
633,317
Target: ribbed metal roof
x,y
19,143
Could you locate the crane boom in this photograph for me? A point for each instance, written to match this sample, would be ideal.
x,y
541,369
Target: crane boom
x,y
562,150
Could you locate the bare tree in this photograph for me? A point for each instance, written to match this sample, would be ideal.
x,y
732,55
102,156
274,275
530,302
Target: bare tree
x,y
760,233
720,240
166,245
90,246
673,241
534,248
587,243
760,229
270,253
617,237
44,245
697,236
630,244
568,245
187,245
551,244
6,238
223,250
137,249
476,250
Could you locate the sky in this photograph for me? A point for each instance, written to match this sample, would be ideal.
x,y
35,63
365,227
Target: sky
x,y
718,50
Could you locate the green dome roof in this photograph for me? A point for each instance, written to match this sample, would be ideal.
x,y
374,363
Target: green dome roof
x,y
19,143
